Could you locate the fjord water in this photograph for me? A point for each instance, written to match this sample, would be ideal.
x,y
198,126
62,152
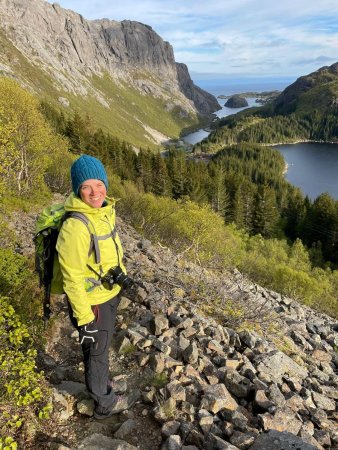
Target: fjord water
x,y
312,166
218,87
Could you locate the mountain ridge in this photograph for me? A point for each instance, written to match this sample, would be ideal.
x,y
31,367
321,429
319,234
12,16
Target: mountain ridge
x,y
71,50
297,97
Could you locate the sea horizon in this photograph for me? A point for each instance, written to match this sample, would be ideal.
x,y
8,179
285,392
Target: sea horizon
x,y
217,86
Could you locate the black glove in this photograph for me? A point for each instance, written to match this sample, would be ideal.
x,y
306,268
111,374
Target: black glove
x,y
88,332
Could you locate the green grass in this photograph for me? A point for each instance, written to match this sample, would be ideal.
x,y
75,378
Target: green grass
x,y
319,97
128,107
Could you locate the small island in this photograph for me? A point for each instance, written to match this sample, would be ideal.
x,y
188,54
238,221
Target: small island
x,y
236,101
261,97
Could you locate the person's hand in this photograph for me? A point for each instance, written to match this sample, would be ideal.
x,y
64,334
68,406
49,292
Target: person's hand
x,y
88,332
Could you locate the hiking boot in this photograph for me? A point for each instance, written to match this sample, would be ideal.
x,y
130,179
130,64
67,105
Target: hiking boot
x,y
102,413
117,386
122,403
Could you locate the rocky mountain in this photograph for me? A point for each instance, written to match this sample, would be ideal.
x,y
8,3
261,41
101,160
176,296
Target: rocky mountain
x,y
318,90
121,73
206,380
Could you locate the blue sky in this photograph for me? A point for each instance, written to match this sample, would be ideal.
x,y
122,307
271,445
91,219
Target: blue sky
x,y
234,38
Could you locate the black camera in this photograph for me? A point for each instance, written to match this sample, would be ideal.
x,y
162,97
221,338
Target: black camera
x,y
116,276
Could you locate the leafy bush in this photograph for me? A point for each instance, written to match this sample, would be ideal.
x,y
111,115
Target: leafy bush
x,y
13,271
23,392
199,233
27,142
184,226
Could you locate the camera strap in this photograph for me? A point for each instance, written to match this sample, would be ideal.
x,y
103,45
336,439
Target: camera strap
x,y
94,281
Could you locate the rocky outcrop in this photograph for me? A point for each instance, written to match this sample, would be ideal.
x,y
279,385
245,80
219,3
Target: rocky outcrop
x,y
71,50
236,101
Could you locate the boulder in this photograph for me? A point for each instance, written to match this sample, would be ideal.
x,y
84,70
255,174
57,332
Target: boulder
x,y
275,440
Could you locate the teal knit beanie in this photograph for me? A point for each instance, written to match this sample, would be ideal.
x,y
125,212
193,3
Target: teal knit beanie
x,y
87,168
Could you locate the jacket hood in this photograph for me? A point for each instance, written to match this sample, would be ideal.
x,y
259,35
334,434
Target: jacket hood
x,y
74,203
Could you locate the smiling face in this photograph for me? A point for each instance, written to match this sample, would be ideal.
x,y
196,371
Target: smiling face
x,y
93,192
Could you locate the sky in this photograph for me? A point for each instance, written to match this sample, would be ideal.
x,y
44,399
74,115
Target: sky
x,y
234,38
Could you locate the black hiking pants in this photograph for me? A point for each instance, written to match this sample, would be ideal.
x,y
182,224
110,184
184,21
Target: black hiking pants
x,y
96,355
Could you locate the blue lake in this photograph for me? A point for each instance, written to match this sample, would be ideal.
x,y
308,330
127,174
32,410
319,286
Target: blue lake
x,y
200,134
313,167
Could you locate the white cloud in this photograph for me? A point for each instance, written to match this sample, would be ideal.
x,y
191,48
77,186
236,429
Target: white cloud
x,y
244,36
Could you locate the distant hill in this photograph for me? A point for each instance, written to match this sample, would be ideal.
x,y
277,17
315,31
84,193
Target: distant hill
x,y
122,74
316,91
307,110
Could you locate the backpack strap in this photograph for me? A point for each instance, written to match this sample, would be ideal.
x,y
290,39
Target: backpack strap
x,y
94,245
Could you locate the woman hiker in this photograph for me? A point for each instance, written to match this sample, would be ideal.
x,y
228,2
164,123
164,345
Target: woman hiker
x,y
92,279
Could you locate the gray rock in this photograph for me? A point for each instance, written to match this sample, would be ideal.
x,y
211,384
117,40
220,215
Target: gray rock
x,y
101,442
186,323
262,401
190,354
182,342
172,443
85,407
156,362
275,440
242,440
213,442
323,402
300,340
176,391
65,408
248,338
158,324
71,387
126,429
205,420
135,336
122,343
236,418
237,384
162,347
216,398
170,428
276,364
124,303
323,438
284,419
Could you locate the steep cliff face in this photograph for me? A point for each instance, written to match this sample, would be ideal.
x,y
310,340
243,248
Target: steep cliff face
x,y
71,50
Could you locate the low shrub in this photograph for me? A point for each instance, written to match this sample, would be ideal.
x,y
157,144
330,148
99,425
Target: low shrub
x,y
23,390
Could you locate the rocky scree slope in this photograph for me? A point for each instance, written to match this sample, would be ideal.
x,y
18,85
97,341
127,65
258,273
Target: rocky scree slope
x,y
203,384
71,50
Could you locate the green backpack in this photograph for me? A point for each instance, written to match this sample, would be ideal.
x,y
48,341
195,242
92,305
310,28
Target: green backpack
x,y
48,226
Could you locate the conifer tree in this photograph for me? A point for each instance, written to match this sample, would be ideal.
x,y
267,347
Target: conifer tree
x,y
161,183
220,200
177,168
243,209
266,213
144,170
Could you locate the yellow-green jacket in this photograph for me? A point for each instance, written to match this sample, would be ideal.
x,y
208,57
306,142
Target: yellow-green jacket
x,y
73,245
